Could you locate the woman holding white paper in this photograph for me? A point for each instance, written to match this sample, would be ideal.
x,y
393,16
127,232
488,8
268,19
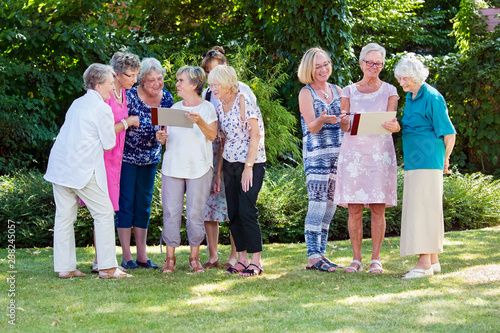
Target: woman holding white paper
x,y
187,168
367,169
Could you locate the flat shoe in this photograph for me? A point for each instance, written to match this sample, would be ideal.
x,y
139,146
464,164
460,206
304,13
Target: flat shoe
x,y
232,270
252,271
129,264
194,263
331,263
95,269
209,264
147,264
436,268
355,270
113,273
416,273
169,265
378,267
75,273
321,265
227,265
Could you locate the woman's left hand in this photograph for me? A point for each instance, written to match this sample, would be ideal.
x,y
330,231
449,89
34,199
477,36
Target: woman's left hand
x,y
247,179
392,126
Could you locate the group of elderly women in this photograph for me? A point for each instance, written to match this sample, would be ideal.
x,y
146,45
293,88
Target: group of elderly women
x,y
108,150
358,171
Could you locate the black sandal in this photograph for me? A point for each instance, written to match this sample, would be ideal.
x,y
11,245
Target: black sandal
x,y
252,271
322,266
232,270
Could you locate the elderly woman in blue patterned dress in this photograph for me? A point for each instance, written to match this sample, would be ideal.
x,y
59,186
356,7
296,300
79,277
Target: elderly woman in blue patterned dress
x,y
319,103
141,155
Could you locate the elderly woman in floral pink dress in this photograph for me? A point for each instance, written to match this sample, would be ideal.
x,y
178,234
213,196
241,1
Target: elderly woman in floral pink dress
x,y
367,169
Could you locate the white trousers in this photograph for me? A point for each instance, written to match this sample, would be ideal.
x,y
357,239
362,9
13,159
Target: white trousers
x,y
100,208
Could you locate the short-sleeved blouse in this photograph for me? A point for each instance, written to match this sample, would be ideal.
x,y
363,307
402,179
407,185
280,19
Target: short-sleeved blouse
x,y
188,152
237,132
425,122
367,166
141,147
325,143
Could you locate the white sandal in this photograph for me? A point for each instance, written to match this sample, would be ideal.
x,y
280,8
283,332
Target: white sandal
x,y
355,270
416,273
376,268
436,268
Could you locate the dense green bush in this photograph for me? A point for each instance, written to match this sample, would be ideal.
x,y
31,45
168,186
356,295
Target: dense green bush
x,y
470,202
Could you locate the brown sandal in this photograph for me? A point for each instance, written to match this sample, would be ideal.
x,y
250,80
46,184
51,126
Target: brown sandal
x,y
167,268
113,273
195,264
75,273
209,264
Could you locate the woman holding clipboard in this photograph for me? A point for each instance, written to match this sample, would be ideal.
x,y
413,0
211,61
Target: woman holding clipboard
x,y
367,168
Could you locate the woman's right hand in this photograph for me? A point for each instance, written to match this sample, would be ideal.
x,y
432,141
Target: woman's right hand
x,y
325,118
345,121
217,188
133,121
161,136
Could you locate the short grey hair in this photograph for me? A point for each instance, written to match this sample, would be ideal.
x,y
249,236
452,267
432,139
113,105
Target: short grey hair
x,y
122,62
371,47
96,74
411,66
196,75
148,65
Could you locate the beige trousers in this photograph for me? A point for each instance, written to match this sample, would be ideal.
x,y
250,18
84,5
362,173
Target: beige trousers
x,y
100,208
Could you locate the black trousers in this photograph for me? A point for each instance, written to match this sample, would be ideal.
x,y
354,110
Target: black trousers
x,y
242,206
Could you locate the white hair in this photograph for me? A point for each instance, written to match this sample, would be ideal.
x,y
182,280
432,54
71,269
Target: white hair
x,y
371,47
148,65
411,66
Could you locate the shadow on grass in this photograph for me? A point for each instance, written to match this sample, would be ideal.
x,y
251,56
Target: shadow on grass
x,y
285,298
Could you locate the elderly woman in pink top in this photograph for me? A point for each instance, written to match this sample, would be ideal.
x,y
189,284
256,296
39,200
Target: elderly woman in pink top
x,y
126,67
367,170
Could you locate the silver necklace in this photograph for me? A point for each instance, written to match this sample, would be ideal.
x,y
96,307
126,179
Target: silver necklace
x,y
324,92
118,97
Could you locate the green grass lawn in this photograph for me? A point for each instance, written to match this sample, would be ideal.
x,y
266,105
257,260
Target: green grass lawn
x,y
464,298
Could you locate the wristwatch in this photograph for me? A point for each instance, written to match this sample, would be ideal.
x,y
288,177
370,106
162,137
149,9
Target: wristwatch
x,y
250,165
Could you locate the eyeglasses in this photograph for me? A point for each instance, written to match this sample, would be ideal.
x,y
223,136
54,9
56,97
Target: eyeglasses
x,y
325,65
214,86
376,64
210,54
130,75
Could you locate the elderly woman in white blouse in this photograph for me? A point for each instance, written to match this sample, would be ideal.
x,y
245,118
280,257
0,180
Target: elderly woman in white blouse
x,y
76,170
187,168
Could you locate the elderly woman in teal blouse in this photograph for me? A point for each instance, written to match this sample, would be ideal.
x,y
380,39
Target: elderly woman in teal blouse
x,y
428,140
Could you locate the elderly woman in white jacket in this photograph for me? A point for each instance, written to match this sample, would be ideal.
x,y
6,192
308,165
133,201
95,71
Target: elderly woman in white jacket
x,y
76,170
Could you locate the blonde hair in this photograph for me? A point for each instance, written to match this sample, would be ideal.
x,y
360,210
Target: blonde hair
x,y
411,66
308,64
226,76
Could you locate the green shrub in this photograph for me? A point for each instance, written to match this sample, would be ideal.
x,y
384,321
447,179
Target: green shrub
x,y
470,202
